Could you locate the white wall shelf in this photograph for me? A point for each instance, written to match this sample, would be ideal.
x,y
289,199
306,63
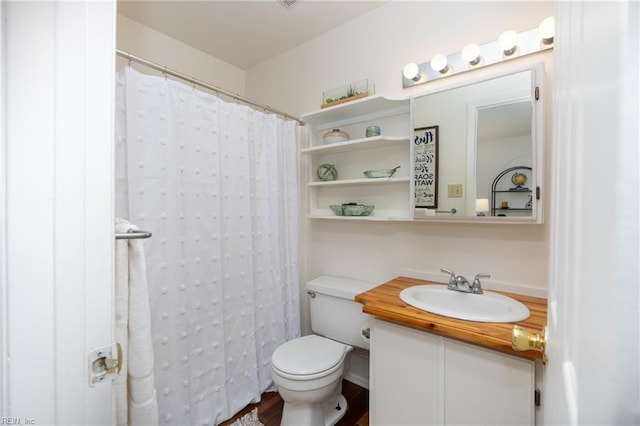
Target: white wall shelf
x,y
361,107
356,145
330,216
390,196
366,181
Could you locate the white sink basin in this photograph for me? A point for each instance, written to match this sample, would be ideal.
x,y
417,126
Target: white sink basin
x,y
487,307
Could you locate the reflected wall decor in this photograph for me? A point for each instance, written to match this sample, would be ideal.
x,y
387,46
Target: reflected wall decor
x,y
425,151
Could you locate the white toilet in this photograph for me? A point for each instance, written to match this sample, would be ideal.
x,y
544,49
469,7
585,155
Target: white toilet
x,y
308,371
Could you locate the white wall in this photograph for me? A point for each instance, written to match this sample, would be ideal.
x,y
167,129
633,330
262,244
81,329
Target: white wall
x,y
376,46
137,39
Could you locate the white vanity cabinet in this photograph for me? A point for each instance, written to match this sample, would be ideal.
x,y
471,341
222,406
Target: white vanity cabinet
x,y
419,378
405,382
390,196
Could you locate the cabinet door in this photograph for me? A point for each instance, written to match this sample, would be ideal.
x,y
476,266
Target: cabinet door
x,y
405,376
485,387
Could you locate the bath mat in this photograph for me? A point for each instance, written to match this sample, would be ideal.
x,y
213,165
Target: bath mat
x,y
250,419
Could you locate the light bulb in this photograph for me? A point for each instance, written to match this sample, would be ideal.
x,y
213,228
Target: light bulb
x,y
547,29
508,42
471,53
411,71
439,63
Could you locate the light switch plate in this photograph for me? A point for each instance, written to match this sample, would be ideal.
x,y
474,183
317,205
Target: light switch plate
x,y
455,190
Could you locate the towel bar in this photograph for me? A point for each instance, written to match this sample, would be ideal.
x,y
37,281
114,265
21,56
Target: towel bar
x,y
452,211
133,234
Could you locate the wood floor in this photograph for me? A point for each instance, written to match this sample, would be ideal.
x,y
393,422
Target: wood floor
x,y
270,408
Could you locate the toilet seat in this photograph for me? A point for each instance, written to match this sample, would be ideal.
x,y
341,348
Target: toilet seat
x,y
308,357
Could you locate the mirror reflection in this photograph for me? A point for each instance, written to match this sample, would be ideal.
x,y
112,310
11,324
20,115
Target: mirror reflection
x,y
485,149
504,159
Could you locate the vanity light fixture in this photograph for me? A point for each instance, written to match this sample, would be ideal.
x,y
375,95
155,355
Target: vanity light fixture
x,y
509,46
471,54
547,29
508,41
411,71
439,63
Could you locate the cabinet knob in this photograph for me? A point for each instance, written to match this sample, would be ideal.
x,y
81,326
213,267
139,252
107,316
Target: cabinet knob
x,y
524,340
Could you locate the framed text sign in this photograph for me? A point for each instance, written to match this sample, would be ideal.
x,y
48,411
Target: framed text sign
x,y
425,166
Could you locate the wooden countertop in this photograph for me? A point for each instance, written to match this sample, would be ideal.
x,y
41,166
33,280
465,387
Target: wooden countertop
x,y
384,302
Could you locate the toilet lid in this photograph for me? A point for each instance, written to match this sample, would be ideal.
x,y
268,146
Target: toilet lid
x,y
308,355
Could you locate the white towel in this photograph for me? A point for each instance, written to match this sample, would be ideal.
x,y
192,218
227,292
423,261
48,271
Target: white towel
x,y
136,402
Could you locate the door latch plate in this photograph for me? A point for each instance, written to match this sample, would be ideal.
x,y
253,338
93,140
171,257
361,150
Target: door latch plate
x,y
104,364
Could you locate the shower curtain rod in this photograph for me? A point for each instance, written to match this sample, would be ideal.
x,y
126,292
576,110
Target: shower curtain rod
x,y
195,81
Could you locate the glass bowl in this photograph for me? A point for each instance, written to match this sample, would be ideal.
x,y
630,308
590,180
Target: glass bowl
x,y
351,209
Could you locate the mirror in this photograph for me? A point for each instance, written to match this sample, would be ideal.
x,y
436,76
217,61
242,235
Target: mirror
x,y
475,153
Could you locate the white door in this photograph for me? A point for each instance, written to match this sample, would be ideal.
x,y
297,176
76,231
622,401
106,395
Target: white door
x,y
593,376
56,215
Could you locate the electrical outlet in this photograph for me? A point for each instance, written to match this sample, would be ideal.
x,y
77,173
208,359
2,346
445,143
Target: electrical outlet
x,y
455,190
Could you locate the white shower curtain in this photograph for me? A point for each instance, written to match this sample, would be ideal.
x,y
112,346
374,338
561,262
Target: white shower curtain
x,y
215,182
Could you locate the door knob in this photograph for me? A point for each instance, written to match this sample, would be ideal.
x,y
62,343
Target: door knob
x,y
524,340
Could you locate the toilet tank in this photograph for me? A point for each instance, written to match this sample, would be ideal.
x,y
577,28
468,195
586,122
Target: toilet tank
x,y
334,312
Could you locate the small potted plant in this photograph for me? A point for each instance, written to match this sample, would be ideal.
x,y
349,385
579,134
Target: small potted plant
x,y
347,93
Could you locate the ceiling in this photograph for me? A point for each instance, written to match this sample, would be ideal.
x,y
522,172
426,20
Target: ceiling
x,y
244,33
504,121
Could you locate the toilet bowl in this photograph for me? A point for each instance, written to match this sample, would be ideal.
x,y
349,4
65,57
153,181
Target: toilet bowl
x,y
308,371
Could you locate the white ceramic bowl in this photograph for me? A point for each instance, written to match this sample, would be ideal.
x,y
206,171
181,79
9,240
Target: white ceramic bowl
x,y
335,135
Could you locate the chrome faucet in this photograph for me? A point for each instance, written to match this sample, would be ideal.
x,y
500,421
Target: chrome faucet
x,y
460,283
